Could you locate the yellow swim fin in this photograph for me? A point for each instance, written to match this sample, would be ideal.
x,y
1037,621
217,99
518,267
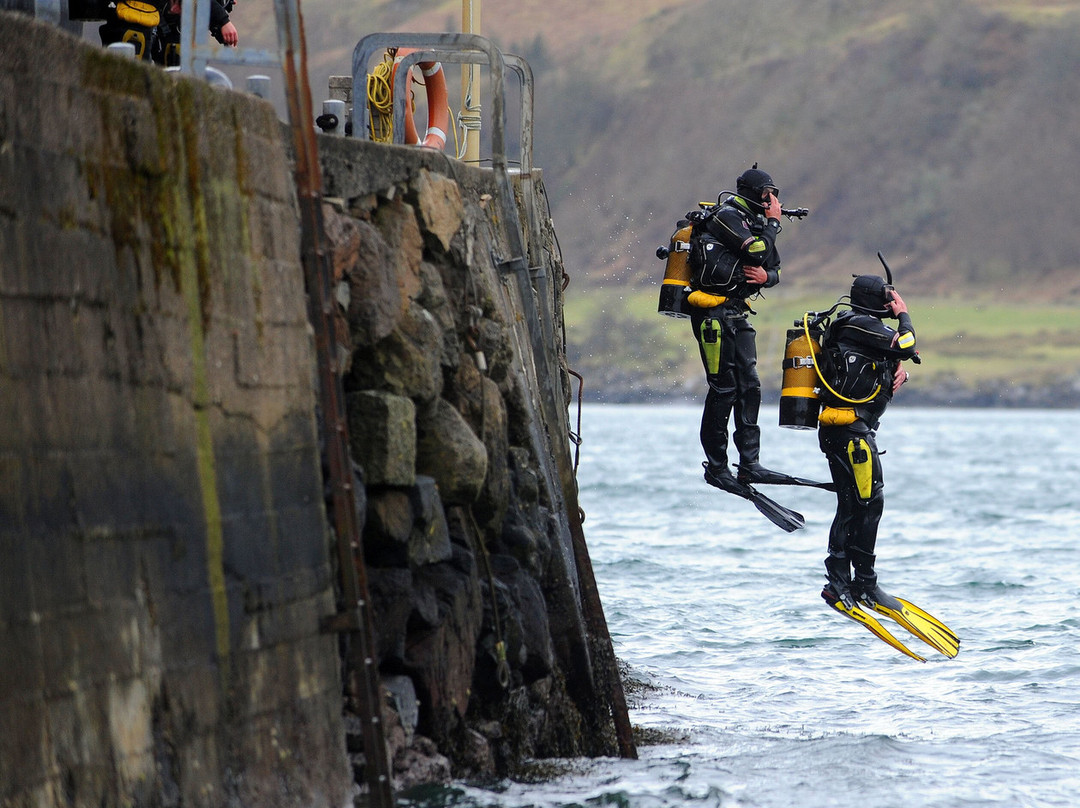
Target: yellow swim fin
x,y
868,620
920,623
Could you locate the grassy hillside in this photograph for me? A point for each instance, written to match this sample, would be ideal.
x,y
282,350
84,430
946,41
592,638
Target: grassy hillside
x,y
936,130
932,130
945,133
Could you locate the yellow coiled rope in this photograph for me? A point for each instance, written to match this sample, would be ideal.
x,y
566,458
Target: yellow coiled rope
x,y
380,96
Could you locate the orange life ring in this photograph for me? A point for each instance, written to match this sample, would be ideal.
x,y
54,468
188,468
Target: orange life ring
x,y
438,113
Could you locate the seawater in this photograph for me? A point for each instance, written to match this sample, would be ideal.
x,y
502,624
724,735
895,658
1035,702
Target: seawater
x,y
761,694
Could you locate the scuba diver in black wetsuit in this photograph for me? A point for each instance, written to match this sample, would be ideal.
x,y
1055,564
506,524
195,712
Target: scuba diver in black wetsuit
x,y
733,256
866,355
859,372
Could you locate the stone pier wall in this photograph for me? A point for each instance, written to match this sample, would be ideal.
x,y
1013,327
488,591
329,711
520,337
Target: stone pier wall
x,y
166,564
164,559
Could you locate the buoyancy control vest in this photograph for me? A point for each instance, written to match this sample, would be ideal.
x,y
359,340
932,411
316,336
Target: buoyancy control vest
x,y
720,233
857,380
708,250
682,291
844,379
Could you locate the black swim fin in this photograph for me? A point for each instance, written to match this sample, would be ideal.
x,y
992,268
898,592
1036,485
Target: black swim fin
x,y
784,518
762,476
920,623
847,607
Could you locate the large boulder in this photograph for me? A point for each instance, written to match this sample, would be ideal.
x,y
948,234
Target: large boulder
x,y
396,221
441,208
481,404
440,655
434,299
523,621
392,603
364,273
406,527
449,451
407,362
382,436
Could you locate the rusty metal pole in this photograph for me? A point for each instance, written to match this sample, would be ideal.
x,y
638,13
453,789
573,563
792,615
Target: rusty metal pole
x,y
356,617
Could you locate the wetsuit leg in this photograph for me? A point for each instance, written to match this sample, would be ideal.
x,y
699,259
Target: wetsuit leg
x,y
166,47
718,360
853,535
747,433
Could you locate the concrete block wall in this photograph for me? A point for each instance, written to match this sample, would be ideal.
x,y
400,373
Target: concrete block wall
x,y
164,559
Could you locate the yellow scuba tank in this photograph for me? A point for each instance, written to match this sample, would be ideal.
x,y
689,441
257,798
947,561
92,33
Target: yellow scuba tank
x,y
799,401
676,285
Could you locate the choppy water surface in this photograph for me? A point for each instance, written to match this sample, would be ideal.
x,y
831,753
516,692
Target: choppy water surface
x,y
776,700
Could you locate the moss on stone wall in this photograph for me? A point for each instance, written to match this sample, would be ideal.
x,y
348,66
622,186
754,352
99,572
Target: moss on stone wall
x,y
163,548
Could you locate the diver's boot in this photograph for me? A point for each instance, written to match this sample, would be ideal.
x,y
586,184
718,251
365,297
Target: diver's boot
x,y
754,472
748,441
721,477
838,588
865,585
872,595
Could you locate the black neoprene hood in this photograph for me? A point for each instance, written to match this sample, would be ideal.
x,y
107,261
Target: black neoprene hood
x,y
869,294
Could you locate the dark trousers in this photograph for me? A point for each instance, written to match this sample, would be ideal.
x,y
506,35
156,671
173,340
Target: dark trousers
x,y
731,371
855,467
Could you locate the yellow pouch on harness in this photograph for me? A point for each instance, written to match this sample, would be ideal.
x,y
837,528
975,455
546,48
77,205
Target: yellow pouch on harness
x,y
837,416
710,345
138,12
703,300
862,465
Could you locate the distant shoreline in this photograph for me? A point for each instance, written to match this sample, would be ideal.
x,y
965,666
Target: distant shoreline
x,y
1058,398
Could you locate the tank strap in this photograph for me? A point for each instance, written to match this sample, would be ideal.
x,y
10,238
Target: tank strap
x,y
798,362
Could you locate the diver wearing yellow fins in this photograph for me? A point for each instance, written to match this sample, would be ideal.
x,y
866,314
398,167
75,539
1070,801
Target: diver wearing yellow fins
x,y
860,370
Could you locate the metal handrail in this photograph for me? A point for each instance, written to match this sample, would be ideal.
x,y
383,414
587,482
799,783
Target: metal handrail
x,y
444,44
525,75
514,62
